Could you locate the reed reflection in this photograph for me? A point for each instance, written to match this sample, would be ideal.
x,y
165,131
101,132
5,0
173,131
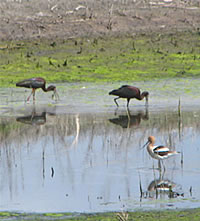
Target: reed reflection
x,y
58,159
129,119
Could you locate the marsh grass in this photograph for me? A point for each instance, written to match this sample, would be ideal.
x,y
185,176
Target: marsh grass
x,y
140,57
192,214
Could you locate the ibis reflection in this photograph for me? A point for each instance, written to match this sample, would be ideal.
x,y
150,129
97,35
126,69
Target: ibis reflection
x,y
130,119
34,116
33,119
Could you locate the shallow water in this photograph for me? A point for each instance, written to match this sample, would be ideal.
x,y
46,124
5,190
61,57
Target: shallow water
x,y
81,154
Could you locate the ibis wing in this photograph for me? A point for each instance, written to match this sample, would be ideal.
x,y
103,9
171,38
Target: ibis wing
x,y
126,91
31,83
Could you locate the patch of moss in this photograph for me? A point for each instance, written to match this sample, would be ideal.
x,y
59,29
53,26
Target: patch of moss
x,y
54,214
141,57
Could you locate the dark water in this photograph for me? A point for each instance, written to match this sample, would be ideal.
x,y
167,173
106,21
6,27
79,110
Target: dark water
x,y
84,155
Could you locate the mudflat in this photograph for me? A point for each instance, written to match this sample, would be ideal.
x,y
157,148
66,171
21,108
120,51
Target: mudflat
x,y
25,19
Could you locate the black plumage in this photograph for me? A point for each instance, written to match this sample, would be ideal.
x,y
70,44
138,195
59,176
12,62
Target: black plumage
x,y
129,92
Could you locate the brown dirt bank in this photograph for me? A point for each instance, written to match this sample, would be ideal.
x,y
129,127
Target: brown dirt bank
x,y
28,19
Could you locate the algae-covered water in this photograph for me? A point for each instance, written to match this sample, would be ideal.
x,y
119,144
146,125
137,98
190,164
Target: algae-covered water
x,y
82,154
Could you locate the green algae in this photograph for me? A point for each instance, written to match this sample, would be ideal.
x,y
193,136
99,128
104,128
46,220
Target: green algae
x,y
141,57
163,215
55,214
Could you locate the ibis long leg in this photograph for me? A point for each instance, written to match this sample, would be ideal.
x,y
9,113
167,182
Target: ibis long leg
x,y
33,94
128,100
30,95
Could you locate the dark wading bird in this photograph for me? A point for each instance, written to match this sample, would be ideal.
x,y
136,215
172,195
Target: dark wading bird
x,y
129,92
35,83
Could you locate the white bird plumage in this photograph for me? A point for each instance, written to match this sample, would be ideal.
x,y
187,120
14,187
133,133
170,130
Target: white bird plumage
x,y
158,152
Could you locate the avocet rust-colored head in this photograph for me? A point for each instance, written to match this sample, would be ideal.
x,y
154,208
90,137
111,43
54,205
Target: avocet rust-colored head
x,y
151,139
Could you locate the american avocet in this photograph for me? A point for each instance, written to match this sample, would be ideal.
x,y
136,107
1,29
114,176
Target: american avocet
x,y
159,152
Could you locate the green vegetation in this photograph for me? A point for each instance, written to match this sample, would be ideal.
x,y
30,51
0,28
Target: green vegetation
x,y
141,57
172,215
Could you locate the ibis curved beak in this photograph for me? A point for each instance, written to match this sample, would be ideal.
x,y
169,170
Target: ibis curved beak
x,y
147,100
55,94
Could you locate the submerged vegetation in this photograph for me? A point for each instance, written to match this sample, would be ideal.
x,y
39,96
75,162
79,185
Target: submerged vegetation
x,y
139,57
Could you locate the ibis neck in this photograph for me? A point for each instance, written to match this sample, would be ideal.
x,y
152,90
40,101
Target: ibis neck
x,y
45,89
141,97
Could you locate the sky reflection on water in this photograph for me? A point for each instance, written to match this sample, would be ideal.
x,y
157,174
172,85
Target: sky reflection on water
x,y
94,162
84,155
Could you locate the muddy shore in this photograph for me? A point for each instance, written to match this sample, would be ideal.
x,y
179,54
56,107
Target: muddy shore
x,y
25,19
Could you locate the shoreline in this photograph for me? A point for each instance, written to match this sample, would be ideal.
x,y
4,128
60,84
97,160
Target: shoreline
x,y
163,215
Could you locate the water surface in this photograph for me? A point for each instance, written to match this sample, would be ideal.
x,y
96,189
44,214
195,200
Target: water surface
x,y
81,154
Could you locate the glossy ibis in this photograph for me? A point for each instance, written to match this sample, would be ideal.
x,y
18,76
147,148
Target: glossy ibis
x,y
159,152
35,83
129,92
